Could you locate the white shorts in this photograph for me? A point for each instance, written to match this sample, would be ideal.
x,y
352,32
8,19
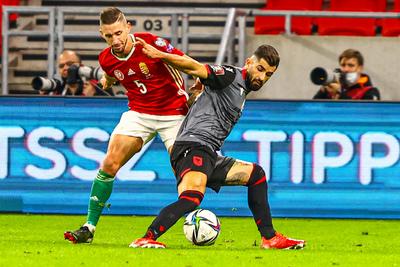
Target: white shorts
x,y
147,126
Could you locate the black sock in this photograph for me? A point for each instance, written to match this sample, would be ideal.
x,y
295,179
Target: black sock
x,y
257,198
169,215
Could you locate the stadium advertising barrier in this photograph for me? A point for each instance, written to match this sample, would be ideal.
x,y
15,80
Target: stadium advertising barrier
x,y
322,159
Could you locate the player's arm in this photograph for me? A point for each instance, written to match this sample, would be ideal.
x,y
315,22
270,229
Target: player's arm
x,y
107,81
194,92
183,63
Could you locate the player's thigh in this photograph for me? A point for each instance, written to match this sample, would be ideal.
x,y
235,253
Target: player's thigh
x,y
168,129
122,147
136,125
239,173
230,171
192,164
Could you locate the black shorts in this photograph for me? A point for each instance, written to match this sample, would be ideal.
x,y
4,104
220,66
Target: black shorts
x,y
190,156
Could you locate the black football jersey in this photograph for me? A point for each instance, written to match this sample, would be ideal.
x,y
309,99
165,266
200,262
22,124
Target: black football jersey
x,y
217,109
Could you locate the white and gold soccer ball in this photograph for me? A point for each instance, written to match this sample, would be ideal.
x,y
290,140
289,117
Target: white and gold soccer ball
x,y
201,227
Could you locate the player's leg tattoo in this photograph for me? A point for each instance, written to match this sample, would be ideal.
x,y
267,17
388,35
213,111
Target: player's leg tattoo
x,y
238,174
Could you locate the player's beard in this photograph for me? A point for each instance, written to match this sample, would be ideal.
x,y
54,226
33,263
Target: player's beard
x,y
122,49
253,84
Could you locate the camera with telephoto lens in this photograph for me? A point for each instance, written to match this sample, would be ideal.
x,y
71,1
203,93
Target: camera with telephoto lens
x,y
320,76
77,73
45,84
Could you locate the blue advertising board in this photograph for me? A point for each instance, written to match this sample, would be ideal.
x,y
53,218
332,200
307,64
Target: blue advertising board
x,y
322,159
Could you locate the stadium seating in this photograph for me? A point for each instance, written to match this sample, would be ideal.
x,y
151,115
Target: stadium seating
x,y
351,26
30,53
159,4
276,25
12,18
391,27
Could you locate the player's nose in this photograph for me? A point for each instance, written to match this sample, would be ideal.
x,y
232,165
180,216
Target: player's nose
x,y
115,40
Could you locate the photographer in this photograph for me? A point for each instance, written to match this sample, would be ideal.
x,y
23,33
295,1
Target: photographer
x,y
348,82
73,78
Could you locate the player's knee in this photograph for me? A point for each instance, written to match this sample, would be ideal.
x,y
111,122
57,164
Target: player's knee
x,y
137,146
193,198
193,180
111,166
257,176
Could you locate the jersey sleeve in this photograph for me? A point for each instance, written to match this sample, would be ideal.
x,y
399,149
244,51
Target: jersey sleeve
x,y
219,76
165,46
102,62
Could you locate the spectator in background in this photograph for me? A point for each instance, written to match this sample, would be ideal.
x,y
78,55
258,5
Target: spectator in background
x,y
89,88
70,84
352,83
66,59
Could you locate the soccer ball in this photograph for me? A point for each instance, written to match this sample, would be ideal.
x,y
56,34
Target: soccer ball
x,y
201,227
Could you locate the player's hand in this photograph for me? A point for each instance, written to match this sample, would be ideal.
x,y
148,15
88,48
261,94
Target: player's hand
x,y
196,88
194,91
149,50
106,81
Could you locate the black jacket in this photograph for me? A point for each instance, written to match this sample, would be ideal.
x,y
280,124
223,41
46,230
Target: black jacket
x,y
362,90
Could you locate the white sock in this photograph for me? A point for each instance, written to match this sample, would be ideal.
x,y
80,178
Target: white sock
x,y
91,227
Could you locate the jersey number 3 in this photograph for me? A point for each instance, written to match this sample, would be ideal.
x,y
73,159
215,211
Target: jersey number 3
x,y
141,85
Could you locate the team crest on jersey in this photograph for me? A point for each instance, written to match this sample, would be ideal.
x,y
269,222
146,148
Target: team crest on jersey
x,y
198,161
170,48
218,70
144,69
160,42
119,75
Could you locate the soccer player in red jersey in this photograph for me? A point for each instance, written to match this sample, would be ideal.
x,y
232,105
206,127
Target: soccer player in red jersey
x,y
157,104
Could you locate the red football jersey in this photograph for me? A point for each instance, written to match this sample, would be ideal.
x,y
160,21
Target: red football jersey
x,y
153,87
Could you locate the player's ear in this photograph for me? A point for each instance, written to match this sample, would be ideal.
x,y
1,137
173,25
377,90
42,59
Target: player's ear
x,y
248,62
129,26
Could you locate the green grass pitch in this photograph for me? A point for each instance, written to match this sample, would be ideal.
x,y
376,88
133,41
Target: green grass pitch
x,y
37,240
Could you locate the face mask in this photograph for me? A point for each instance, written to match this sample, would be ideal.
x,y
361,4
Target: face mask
x,y
351,78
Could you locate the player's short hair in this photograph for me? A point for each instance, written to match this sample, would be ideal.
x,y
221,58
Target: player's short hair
x,y
352,53
268,53
111,15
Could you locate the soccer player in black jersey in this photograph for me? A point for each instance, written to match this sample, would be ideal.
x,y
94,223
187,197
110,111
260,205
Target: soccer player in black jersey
x,y
207,125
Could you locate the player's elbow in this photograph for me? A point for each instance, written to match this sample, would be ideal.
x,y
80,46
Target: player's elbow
x,y
192,72
200,72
